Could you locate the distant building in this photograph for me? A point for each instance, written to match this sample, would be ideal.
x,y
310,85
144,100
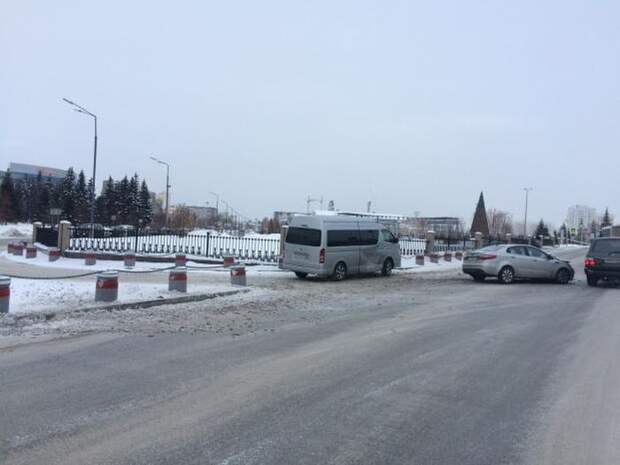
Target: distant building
x,y
25,171
208,215
580,217
445,227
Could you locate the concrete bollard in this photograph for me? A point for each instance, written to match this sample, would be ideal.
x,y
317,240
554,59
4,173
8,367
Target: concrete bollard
x,y
90,258
237,276
419,260
18,249
31,252
434,258
478,240
5,294
53,254
229,260
177,279
129,259
447,256
180,260
107,286
458,255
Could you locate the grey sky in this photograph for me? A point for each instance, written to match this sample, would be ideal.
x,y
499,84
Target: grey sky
x,y
415,105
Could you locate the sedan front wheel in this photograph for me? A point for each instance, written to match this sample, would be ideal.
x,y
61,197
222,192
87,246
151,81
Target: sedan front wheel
x,y
506,275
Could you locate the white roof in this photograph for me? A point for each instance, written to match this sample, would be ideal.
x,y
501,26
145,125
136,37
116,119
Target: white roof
x,y
33,170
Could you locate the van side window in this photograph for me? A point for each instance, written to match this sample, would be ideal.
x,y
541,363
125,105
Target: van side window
x,y
303,236
369,236
344,237
387,236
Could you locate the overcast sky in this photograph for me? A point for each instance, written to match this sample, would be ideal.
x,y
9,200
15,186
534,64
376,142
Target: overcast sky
x,y
417,106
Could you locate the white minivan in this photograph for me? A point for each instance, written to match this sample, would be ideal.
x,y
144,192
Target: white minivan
x,y
339,246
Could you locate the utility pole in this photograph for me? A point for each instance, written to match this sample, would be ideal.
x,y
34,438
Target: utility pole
x,y
527,192
167,185
83,110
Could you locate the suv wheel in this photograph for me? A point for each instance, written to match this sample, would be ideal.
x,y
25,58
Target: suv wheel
x,y
388,266
301,275
340,271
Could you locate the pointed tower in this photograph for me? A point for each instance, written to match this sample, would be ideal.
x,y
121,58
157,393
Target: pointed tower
x,y
480,223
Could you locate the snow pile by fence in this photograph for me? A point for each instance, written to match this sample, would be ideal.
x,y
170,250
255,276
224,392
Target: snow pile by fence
x,y
15,230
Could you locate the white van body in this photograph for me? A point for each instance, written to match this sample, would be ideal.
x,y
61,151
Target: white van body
x,y
321,245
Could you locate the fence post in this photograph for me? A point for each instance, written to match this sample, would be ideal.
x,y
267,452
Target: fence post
x,y
64,235
35,226
430,242
207,247
478,236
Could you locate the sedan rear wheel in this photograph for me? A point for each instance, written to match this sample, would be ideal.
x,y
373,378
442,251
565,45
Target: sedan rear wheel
x,y
563,276
592,281
506,275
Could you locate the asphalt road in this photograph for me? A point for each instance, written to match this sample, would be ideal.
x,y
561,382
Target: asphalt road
x,y
463,373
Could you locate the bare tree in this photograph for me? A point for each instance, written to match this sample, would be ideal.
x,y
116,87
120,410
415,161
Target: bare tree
x,y
500,223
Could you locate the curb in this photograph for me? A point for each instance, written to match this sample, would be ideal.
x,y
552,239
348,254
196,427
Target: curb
x,y
130,305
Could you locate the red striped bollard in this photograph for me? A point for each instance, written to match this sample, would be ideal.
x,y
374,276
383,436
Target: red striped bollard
x,y
177,279
229,260
18,249
5,294
434,258
419,259
31,252
237,276
53,254
180,259
458,255
129,259
90,258
107,287
9,248
447,256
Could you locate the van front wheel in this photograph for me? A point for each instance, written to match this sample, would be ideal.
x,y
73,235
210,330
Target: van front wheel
x,y
340,271
388,266
301,275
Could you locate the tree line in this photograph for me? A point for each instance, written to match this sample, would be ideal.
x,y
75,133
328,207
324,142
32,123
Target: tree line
x,y
125,201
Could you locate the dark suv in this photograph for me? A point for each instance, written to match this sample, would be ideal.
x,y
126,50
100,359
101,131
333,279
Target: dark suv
x,y
603,260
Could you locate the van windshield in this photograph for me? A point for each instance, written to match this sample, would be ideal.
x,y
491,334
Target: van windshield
x,y
304,236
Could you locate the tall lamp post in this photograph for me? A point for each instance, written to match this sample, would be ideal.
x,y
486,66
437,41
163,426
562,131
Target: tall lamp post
x,y
157,160
527,192
83,110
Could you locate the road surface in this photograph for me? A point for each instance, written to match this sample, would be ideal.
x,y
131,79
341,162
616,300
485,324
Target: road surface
x,y
440,370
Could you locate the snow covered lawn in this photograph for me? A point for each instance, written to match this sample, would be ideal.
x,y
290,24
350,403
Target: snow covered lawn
x,y
16,230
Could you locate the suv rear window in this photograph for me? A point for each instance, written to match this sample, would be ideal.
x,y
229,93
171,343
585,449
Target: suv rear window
x,y
304,236
606,247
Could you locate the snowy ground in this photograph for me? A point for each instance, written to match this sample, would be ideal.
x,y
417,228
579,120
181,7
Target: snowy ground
x,y
276,296
16,230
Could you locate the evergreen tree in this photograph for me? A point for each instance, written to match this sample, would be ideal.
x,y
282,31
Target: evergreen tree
x,y
542,229
9,212
110,203
606,221
67,196
133,200
82,205
123,200
145,209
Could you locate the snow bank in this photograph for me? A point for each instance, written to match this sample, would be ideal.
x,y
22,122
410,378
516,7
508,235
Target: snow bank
x,y
33,296
16,230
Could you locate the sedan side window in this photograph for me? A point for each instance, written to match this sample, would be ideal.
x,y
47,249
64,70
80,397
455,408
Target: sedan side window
x,y
517,251
536,253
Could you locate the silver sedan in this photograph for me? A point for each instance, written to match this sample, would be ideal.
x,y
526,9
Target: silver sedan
x,y
508,262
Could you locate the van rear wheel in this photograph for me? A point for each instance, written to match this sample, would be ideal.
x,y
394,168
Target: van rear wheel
x,y
301,275
388,266
340,271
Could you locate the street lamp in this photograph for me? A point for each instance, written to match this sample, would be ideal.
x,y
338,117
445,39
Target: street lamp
x,y
83,110
527,192
157,160
217,202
